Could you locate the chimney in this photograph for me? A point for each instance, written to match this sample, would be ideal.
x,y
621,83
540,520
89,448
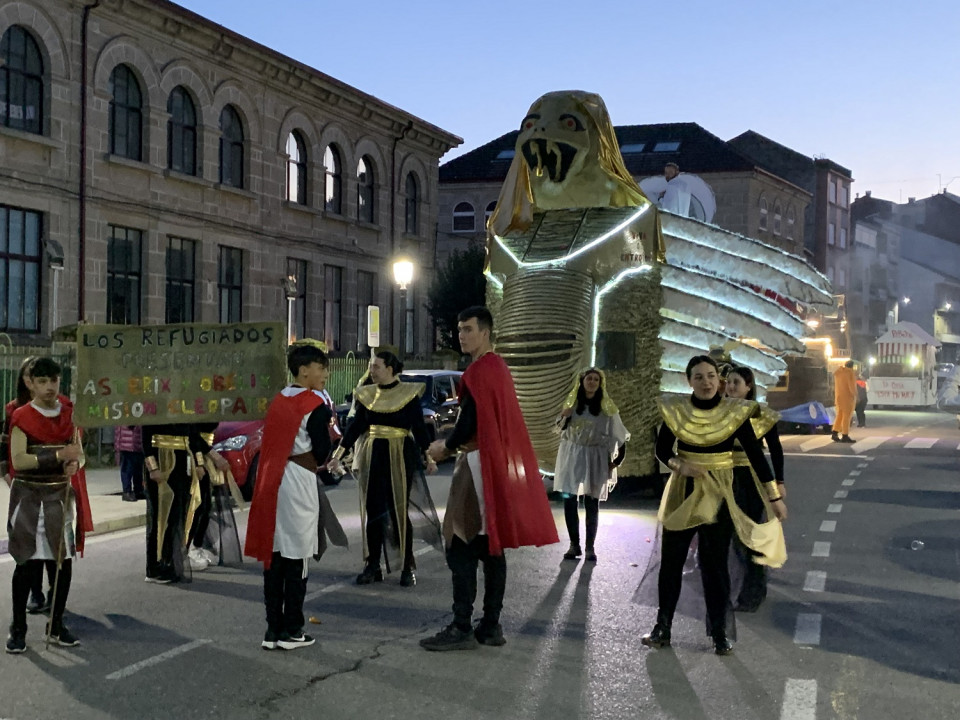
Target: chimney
x,y
911,200
869,193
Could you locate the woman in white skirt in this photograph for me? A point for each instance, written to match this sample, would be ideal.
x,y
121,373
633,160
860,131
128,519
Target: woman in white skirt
x,y
592,446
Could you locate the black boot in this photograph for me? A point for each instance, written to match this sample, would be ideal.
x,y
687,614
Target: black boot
x,y
722,646
370,574
659,637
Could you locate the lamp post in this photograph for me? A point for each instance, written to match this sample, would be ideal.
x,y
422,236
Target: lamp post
x,y
289,284
403,275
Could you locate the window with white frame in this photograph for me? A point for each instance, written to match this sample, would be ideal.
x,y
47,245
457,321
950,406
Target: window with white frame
x,y
763,213
296,170
464,219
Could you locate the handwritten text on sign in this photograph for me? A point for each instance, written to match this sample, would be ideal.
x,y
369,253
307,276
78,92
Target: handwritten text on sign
x,y
138,375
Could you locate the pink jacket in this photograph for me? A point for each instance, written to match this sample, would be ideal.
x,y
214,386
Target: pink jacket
x,y
127,439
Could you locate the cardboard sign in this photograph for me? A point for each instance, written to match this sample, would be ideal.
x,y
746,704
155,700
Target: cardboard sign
x,y
161,374
905,392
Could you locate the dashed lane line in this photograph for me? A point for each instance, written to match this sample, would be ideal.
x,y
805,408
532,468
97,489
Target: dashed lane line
x,y
855,473
921,443
828,526
821,549
848,482
840,494
834,507
807,631
799,700
815,581
157,659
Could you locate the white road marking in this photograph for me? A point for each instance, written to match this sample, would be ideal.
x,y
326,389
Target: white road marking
x,y
816,442
821,549
799,700
834,507
807,631
862,446
828,526
848,482
815,581
921,443
863,465
855,473
840,494
826,455
157,659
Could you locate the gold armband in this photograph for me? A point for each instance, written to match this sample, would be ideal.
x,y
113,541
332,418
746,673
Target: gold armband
x,y
199,457
151,463
773,492
339,453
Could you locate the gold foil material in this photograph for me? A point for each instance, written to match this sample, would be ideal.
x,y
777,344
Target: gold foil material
x,y
388,400
696,426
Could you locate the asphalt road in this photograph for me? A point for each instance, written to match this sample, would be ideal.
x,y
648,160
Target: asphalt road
x,y
857,624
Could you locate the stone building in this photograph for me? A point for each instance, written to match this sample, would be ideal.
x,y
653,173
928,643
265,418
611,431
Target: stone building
x,y
157,167
751,200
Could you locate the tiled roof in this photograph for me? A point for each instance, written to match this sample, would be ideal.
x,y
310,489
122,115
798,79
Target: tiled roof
x,y
793,166
645,148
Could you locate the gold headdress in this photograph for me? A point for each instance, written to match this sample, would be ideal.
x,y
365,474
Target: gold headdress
x,y
319,344
607,405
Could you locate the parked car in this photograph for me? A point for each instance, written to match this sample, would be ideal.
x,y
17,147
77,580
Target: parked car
x,y
239,444
440,401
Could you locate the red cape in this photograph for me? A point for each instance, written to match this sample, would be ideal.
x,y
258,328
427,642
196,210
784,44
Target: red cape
x,y
279,432
58,431
515,500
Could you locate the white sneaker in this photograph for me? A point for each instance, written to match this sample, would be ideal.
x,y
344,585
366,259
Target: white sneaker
x,y
198,560
213,559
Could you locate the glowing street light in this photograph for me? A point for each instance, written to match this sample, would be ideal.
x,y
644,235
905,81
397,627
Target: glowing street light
x,y
914,361
403,275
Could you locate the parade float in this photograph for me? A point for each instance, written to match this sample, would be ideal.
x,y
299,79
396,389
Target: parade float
x,y
583,269
902,373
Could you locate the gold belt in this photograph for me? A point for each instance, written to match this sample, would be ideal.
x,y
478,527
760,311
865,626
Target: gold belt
x,y
740,458
171,442
388,432
710,461
207,438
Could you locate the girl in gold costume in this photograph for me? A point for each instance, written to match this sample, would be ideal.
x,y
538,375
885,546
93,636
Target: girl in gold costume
x,y
696,442
741,385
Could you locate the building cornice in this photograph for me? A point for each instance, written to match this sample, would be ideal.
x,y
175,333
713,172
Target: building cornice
x,y
265,64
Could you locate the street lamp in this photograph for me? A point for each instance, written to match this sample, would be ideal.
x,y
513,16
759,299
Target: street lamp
x,y
289,284
403,275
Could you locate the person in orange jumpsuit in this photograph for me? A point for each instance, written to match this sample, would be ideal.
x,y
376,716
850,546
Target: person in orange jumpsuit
x,y
845,400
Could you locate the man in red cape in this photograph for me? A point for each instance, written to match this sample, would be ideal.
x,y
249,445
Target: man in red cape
x,y
497,498
45,457
284,527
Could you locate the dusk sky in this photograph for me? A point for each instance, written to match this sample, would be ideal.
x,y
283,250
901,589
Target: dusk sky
x,y
871,85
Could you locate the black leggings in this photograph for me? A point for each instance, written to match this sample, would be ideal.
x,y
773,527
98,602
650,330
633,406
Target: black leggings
x,y
24,577
572,517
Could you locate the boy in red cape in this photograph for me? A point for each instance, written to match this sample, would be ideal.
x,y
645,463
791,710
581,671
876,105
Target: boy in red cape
x,y
497,498
45,456
282,531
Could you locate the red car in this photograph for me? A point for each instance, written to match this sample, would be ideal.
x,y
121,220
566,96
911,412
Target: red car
x,y
239,444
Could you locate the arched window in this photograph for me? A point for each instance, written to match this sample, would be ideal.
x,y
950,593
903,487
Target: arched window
x,y
21,81
126,114
463,218
366,190
182,132
411,190
231,147
776,217
791,221
763,213
296,169
333,188
489,211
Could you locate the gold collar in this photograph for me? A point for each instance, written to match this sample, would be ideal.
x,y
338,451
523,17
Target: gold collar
x,y
764,420
389,400
703,428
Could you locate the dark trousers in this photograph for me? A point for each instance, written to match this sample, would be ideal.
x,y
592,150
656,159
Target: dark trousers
x,y
131,472
380,508
861,410
753,591
572,517
201,518
463,559
284,588
179,481
24,577
713,546
36,589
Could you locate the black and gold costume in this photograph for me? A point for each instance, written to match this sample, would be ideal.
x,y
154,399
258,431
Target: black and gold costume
x,y
704,433
389,465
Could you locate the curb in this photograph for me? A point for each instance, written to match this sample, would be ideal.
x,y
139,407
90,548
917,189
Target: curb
x,y
117,524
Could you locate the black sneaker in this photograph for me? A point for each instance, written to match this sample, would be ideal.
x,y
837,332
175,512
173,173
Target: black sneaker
x,y
163,576
659,637
846,439
269,640
573,552
451,638
590,555
17,641
408,578
64,637
722,646
489,634
292,642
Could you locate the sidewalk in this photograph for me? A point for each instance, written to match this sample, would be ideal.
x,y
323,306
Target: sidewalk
x,y
110,512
